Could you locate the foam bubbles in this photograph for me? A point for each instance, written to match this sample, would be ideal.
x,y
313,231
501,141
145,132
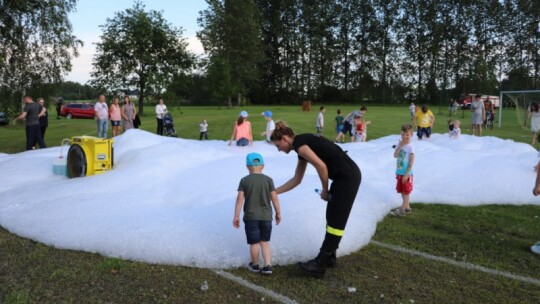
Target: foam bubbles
x,y
171,200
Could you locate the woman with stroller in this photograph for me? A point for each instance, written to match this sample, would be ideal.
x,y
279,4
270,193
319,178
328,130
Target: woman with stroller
x,y
161,109
128,113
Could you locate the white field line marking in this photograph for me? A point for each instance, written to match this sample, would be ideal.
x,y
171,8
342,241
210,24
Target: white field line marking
x,y
267,292
465,265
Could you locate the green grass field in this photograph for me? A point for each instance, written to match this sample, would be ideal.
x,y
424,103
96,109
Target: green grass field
x,y
385,120
496,237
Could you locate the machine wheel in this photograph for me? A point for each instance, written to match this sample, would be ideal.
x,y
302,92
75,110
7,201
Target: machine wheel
x,y
69,116
76,162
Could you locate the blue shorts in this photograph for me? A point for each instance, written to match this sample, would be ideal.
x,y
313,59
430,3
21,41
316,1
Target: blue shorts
x,y
339,129
423,131
242,142
258,231
115,123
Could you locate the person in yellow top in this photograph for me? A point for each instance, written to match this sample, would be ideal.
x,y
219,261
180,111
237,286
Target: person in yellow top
x,y
424,120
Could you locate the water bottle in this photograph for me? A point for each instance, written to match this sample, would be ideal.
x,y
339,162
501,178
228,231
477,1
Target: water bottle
x,y
320,191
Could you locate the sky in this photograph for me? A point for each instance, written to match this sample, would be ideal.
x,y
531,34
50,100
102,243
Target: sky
x,y
171,200
90,14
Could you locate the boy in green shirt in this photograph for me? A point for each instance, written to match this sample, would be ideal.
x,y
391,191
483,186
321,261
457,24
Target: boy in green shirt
x,y
257,190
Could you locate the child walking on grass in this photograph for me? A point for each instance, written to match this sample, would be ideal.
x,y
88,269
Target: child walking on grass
x,y
255,192
404,174
320,121
203,130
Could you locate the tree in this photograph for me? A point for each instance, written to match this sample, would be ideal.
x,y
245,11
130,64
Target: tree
x,y
522,41
139,50
231,37
36,46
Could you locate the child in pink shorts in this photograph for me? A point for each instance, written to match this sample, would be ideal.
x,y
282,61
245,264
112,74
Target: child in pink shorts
x,y
404,154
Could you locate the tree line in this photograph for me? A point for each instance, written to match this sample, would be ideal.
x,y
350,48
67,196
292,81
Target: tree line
x,y
282,51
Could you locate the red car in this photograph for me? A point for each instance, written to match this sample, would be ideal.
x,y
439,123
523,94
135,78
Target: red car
x,y
78,110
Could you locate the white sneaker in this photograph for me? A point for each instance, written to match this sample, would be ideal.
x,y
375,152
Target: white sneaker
x,y
536,248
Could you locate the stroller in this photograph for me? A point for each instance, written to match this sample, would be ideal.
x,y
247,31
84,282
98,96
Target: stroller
x,y
488,123
168,125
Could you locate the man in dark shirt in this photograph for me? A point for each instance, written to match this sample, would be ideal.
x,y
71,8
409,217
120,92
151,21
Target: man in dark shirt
x,y
31,112
58,107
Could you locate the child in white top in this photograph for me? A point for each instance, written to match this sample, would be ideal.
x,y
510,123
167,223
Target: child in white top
x,y
455,131
270,125
203,128
320,121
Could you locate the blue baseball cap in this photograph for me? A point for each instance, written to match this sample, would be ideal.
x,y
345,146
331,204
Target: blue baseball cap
x,y
254,159
267,113
244,114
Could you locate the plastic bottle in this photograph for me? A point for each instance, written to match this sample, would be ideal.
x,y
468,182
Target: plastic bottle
x,y
320,191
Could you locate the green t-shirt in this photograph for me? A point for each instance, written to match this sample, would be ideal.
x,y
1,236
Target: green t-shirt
x,y
339,120
257,189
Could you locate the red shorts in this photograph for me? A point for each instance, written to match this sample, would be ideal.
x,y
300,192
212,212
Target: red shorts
x,y
404,188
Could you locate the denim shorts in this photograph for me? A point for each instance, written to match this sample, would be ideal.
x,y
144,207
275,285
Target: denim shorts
x,y
242,142
423,131
257,231
115,123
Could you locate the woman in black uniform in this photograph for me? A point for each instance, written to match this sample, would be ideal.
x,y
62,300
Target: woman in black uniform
x,y
331,163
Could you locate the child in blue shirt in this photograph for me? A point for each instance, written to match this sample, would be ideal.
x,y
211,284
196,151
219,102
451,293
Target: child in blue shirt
x,y
404,174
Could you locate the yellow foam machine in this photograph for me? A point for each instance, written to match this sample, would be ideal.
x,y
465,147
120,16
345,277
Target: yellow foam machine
x,y
89,155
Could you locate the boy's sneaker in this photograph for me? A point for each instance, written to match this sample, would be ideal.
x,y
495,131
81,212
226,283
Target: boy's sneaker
x,y
253,268
267,270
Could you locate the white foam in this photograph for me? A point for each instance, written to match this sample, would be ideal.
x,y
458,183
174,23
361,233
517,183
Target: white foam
x,y
171,200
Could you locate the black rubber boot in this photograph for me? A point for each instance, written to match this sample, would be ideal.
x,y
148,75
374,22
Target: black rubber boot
x,y
332,260
317,266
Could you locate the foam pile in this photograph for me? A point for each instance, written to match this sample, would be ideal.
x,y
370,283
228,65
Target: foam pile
x,y
171,200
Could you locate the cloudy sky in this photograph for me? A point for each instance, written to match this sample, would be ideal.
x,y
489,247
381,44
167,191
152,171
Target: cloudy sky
x,y
91,14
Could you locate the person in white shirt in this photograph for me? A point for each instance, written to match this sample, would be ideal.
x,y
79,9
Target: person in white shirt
x,y
412,110
454,128
203,129
320,121
161,109
270,125
101,113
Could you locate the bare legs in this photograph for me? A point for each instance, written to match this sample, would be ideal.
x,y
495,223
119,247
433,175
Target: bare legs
x,y
266,253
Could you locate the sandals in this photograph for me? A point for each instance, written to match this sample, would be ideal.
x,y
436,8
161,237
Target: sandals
x,y
400,212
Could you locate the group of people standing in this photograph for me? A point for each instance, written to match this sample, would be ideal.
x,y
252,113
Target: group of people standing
x,y
423,119
125,116
36,116
354,124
